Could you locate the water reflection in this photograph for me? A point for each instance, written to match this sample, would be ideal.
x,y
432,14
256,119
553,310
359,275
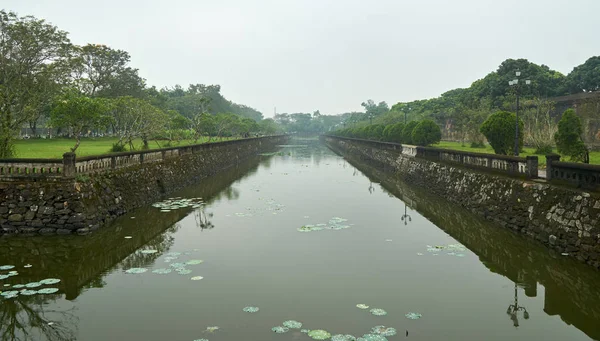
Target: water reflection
x,y
203,219
570,288
28,318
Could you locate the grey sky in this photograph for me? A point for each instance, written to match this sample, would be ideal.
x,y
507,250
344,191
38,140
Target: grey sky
x,y
330,55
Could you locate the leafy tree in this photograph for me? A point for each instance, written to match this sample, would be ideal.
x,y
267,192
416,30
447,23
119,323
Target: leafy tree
x,y
33,54
134,118
79,114
373,110
568,138
268,126
202,124
396,133
585,77
499,129
387,133
103,71
407,132
427,132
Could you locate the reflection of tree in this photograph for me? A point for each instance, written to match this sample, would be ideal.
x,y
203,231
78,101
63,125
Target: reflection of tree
x,y
202,219
25,318
161,243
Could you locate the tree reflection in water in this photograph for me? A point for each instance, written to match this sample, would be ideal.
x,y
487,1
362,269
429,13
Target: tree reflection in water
x,y
161,243
26,318
203,219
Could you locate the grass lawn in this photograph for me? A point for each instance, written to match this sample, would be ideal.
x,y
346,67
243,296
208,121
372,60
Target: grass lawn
x,y
55,148
594,156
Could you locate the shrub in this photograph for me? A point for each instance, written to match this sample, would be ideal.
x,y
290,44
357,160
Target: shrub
x,y
544,149
118,148
499,130
477,144
568,137
407,132
375,131
396,132
387,133
426,132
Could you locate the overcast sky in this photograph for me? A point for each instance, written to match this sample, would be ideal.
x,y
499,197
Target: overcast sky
x,y
330,55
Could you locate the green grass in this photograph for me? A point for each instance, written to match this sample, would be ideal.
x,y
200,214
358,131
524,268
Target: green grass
x,y
55,148
594,156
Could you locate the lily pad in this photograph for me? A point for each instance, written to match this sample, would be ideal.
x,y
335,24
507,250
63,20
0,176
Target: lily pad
x,y
177,265
7,285
148,252
372,337
194,262
413,316
383,330
27,265
212,329
136,270
50,281
182,271
319,334
48,291
362,306
33,285
250,309
201,340
4,277
342,337
378,312
173,254
305,331
280,329
196,278
9,293
6,267
162,271
28,292
292,324
18,286
128,237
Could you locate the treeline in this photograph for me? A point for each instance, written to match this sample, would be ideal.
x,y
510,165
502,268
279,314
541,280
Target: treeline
x,y
45,80
421,133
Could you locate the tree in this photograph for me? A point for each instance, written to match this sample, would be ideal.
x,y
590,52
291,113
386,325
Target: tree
x,y
568,137
407,132
79,114
540,126
134,118
203,124
32,53
585,77
268,126
499,130
427,132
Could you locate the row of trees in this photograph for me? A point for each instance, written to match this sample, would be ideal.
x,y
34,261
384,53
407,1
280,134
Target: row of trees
x,y
422,133
46,80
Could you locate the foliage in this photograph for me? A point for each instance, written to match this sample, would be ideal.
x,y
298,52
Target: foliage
x,y
568,137
34,55
407,132
395,133
306,123
118,148
134,118
426,133
499,129
79,114
540,126
585,77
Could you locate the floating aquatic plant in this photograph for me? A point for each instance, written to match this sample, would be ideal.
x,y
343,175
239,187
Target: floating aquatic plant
x,y
372,337
48,291
250,309
27,265
177,265
183,271
28,292
460,255
212,329
342,337
128,237
292,324
136,270
378,312
319,334
383,330
50,281
6,267
148,252
19,286
4,277
9,294
194,262
305,331
7,285
201,340
161,271
33,285
173,254
280,329
196,278
362,306
413,316
13,273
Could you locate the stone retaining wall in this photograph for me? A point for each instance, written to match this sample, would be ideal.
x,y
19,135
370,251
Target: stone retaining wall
x,y
82,204
563,219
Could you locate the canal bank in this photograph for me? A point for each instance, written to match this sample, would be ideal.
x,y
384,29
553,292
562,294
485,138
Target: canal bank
x,y
104,187
563,219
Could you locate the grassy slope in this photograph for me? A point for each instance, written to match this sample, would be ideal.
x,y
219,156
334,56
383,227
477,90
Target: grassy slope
x,y
594,156
55,148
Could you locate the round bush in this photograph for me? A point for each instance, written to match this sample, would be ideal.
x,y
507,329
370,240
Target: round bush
x,y
407,132
426,132
499,130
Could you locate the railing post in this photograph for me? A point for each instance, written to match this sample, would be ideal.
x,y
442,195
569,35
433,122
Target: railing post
x,y
549,159
69,164
113,162
532,167
142,158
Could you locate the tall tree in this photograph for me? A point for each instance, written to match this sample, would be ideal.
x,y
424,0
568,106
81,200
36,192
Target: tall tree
x,y
585,77
32,52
